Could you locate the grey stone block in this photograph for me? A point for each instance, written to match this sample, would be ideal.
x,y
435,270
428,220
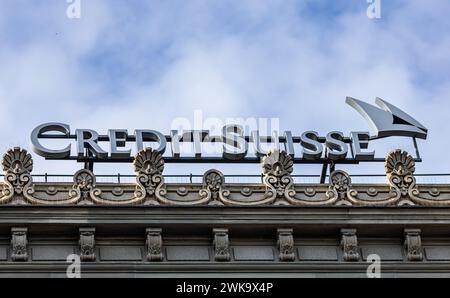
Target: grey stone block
x,y
317,253
253,253
120,253
3,253
386,252
51,253
438,253
187,253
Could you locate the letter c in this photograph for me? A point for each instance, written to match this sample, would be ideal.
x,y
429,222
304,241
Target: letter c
x,y
45,152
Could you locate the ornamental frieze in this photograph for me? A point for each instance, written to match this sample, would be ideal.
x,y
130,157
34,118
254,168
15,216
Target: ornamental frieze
x,y
277,186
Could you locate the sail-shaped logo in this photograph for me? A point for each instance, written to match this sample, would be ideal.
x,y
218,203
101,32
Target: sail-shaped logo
x,y
388,120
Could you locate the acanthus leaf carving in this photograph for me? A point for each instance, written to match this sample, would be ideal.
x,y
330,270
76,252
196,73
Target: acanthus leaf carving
x,y
84,183
17,165
277,167
154,244
149,166
413,245
221,245
340,189
400,168
213,190
285,243
87,244
349,245
19,244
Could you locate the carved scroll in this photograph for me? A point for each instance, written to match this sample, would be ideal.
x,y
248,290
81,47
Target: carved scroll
x,y
285,243
413,245
221,245
19,244
154,244
87,244
349,245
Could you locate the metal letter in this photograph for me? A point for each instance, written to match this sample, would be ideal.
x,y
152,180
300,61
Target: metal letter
x,y
256,139
233,135
312,149
175,143
150,136
337,148
289,143
360,140
195,136
118,138
45,152
87,138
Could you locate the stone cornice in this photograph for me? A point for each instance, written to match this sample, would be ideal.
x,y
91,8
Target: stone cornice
x,y
277,188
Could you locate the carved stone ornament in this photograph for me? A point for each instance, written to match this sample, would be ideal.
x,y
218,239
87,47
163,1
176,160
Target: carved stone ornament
x,y
413,245
341,188
221,245
17,165
87,244
19,242
349,245
400,167
84,183
154,244
149,166
285,243
277,168
213,187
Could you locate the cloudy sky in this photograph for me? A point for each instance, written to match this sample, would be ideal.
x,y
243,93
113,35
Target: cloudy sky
x,y
142,64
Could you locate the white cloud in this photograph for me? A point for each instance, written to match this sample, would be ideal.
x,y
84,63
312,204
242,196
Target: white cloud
x,y
127,66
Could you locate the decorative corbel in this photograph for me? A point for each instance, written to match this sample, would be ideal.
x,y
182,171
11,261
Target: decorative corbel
x,y
285,243
19,244
349,245
87,244
413,244
221,245
154,244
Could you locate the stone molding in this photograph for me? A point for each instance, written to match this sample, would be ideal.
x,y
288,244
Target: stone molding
x,y
277,187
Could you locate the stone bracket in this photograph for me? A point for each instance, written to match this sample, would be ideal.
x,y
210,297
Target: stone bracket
x,y
413,244
285,243
87,244
349,245
221,245
154,244
19,244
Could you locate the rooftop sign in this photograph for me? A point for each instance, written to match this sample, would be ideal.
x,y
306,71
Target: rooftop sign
x,y
305,147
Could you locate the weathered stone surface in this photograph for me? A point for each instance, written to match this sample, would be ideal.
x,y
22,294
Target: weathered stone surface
x,y
120,253
253,253
154,244
438,253
42,223
3,253
187,253
221,245
317,253
51,252
349,245
386,252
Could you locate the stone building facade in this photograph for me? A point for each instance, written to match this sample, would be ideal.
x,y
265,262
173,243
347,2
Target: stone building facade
x,y
276,228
